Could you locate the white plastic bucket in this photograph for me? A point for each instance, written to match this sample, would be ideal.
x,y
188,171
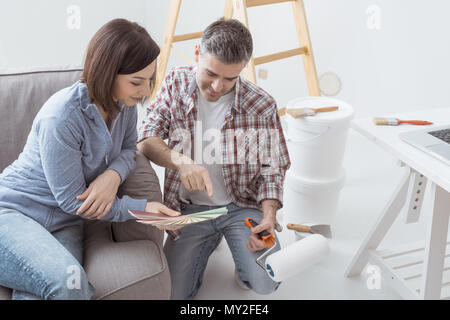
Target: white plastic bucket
x,y
311,201
316,144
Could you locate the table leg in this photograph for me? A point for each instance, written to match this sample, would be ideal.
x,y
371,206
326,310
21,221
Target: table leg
x,y
379,230
436,242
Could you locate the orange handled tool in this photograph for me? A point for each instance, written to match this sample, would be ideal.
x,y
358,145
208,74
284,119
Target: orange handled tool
x,y
268,238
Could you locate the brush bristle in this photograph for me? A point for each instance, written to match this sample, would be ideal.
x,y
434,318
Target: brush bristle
x,y
300,112
385,121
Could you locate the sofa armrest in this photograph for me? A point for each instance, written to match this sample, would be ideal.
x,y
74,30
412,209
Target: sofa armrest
x,y
124,270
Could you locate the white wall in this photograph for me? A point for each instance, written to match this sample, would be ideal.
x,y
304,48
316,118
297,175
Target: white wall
x,y
36,32
401,66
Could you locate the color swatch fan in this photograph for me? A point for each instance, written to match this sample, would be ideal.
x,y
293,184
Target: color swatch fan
x,y
159,219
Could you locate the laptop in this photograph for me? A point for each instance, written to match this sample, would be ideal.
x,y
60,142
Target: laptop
x,y
435,141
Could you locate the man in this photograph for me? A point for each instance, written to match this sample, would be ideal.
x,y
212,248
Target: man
x,y
243,168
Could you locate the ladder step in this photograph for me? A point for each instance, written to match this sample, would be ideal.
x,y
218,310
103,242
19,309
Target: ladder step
x,y
281,55
255,3
187,36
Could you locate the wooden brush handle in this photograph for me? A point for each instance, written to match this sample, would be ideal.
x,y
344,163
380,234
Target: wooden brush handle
x,y
326,109
298,227
283,111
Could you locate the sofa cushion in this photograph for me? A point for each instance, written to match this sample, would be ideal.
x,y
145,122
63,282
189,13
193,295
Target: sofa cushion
x,y
22,95
142,183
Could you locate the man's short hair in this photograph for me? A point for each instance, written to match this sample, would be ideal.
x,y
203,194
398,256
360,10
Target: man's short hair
x,y
228,40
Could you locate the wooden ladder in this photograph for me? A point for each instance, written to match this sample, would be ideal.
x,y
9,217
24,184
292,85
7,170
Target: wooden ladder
x,y
239,7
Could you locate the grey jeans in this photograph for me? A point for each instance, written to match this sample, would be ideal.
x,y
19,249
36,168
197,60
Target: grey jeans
x,y
188,256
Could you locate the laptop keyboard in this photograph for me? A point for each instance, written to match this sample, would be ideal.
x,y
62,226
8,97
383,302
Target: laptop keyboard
x,y
441,134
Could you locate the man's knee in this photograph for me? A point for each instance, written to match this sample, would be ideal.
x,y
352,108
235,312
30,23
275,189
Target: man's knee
x,y
264,287
143,183
258,281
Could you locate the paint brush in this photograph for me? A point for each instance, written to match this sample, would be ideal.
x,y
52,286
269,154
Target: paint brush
x,y
396,122
304,112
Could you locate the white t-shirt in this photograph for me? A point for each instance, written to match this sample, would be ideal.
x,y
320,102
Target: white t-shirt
x,y
208,150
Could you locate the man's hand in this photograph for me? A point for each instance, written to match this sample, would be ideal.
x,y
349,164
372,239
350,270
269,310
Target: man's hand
x,y
100,195
269,208
195,177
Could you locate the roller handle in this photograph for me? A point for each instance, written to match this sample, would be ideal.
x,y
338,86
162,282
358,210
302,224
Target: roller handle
x,y
298,227
267,237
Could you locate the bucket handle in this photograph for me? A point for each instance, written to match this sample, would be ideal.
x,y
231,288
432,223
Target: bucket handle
x,y
308,139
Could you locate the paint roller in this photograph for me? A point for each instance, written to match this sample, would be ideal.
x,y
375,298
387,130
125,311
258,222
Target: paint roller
x,y
293,259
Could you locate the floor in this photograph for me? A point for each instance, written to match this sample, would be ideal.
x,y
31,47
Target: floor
x,y
371,176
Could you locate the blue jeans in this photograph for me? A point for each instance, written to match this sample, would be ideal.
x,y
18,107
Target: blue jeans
x,y
39,265
187,257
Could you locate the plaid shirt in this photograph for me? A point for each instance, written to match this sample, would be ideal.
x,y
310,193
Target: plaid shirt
x,y
253,171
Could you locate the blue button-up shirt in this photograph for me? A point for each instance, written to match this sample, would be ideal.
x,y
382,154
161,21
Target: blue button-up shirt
x,y
68,147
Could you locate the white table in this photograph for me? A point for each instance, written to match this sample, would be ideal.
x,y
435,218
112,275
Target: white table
x,y
420,168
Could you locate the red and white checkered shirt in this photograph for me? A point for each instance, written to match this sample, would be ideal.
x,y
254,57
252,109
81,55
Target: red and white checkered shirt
x,y
253,171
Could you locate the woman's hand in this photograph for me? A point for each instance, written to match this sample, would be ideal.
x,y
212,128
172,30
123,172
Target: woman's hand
x,y
100,195
157,207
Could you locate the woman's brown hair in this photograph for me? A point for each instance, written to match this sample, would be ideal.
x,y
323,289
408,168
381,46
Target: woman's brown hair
x,y
118,47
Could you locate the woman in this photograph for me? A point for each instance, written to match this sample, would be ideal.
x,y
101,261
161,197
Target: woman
x,y
81,147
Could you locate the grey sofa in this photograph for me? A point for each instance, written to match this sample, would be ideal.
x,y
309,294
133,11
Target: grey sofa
x,y
122,260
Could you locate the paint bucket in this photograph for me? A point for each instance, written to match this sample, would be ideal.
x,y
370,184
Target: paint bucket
x,y
311,201
316,144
